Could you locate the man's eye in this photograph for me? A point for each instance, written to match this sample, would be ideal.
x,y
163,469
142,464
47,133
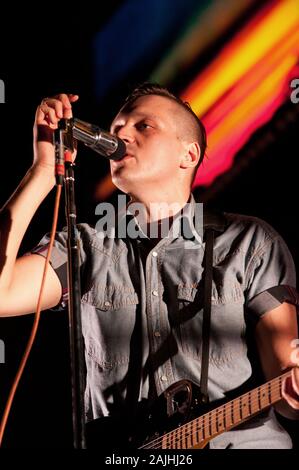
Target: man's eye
x,y
143,125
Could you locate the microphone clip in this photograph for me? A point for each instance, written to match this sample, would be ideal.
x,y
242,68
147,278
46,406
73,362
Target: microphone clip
x,y
66,126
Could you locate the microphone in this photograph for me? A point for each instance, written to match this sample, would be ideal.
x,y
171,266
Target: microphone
x,y
97,139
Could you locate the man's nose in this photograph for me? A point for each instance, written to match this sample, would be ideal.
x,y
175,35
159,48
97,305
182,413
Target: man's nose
x,y
126,133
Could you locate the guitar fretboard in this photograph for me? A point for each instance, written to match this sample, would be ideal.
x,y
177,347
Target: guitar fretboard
x,y
221,419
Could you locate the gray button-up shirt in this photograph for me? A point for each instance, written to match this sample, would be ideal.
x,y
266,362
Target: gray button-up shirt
x,y
142,312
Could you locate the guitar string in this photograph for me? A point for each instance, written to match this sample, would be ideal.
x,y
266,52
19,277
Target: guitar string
x,y
207,419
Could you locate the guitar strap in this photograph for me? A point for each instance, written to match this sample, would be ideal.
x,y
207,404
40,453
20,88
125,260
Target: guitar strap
x,y
207,285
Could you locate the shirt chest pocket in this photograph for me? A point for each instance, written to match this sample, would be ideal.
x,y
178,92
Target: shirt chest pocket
x,y
188,318
109,315
228,292
189,301
227,315
111,298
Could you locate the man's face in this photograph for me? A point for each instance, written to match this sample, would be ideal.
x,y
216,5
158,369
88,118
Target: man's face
x,y
149,128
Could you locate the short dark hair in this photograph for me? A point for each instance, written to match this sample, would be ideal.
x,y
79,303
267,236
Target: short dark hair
x,y
149,88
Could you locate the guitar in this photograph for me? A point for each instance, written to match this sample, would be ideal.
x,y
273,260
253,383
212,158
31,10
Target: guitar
x,y
180,402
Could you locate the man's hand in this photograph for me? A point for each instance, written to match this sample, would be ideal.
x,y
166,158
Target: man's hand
x,y
48,114
290,389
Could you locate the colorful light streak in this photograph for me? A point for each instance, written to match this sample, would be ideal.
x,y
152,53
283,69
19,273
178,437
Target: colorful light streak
x,y
251,100
266,30
243,87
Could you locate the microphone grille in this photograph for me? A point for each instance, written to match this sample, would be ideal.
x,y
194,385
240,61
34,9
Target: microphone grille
x,y
120,150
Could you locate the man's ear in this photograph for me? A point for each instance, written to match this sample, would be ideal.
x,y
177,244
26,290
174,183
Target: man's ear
x,y
191,156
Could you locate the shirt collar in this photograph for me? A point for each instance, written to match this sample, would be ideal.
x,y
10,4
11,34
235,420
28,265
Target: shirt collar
x,y
196,219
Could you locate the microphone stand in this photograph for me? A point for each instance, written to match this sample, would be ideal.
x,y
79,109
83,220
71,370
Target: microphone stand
x,y
65,173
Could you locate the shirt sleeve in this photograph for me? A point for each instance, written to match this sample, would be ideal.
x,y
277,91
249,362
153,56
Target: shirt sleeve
x,y
271,278
58,260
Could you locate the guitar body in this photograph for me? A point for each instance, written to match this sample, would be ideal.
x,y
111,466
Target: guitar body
x,y
178,405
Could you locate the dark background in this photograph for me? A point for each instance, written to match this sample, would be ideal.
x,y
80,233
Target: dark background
x,y
47,50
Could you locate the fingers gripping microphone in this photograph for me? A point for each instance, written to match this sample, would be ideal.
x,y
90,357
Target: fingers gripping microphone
x,y
102,142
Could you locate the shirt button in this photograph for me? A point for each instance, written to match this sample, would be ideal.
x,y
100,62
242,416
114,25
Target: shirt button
x,y
155,254
155,293
107,304
163,378
157,333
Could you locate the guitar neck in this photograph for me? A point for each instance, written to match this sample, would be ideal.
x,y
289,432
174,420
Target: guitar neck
x,y
225,417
